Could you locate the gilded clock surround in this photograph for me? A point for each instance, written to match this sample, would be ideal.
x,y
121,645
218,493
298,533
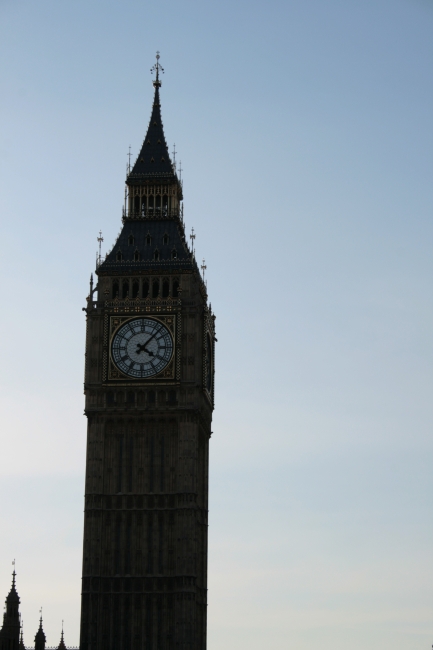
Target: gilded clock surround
x,y
116,322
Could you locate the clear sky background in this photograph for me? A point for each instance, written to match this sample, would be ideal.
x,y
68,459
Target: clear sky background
x,y
305,133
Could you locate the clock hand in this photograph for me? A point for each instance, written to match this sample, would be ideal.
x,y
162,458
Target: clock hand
x,y
152,337
142,348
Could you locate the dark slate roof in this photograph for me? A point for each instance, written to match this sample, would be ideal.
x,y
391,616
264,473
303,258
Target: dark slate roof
x,y
140,230
153,159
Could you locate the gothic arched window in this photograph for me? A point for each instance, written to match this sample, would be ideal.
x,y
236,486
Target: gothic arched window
x,y
165,239
175,288
125,289
165,288
119,256
145,289
131,240
135,290
174,254
115,289
148,240
156,255
155,289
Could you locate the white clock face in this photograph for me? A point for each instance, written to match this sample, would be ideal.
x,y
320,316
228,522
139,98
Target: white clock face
x,y
142,348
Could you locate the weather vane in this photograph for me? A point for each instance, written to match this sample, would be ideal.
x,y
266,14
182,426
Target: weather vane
x,y
157,68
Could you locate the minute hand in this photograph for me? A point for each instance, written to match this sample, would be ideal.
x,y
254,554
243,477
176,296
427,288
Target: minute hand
x,y
149,340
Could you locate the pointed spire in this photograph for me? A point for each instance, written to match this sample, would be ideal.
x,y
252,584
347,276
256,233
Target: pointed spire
x,y
10,632
154,160
62,641
12,596
40,638
21,645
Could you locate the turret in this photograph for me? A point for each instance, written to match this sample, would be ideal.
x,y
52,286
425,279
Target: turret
x,y
10,632
40,638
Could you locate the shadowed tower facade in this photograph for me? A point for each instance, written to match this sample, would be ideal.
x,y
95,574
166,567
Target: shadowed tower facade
x,y
149,387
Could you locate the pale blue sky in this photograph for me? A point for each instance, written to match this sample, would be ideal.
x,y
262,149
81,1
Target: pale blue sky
x,y
305,133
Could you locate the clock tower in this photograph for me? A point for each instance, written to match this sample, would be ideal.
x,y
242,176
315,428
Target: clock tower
x,y
149,389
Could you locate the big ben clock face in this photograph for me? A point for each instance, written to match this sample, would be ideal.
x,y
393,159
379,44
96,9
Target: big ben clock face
x,y
142,348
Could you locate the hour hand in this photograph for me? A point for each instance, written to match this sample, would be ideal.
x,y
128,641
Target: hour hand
x,y
141,347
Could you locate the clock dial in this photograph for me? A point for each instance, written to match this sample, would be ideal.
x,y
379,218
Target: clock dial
x,y
142,348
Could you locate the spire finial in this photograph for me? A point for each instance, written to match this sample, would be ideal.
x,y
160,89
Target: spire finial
x,y
62,641
192,237
129,154
13,573
203,268
99,239
157,68
174,157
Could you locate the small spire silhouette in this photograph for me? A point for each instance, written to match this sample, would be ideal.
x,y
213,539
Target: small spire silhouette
x,y
129,159
192,237
62,641
99,239
40,638
174,157
12,596
203,268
